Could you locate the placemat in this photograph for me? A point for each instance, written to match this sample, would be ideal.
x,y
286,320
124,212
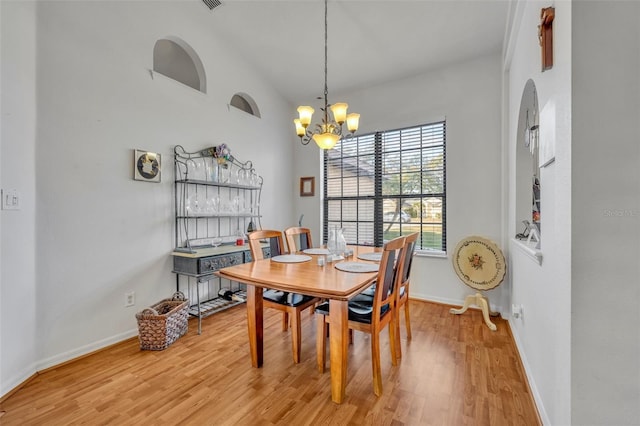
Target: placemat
x,y
371,256
357,267
316,251
291,258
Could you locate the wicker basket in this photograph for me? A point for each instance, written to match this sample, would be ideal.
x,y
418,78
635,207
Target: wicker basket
x,y
162,324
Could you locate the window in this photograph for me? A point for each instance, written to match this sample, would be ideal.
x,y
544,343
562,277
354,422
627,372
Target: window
x,y
385,184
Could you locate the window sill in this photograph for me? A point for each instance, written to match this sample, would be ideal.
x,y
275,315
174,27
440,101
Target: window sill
x,y
431,253
529,249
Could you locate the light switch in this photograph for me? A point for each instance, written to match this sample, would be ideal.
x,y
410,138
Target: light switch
x,y
10,199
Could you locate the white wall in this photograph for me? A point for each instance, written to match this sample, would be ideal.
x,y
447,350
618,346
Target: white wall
x,y
468,96
98,233
543,332
606,221
18,343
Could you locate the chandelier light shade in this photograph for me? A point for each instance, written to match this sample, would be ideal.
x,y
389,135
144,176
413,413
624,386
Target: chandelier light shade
x,y
327,133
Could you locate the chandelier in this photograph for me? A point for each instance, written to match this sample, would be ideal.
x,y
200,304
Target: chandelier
x,y
329,132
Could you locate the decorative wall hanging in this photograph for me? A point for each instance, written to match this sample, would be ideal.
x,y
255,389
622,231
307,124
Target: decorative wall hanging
x,y
307,186
146,166
545,35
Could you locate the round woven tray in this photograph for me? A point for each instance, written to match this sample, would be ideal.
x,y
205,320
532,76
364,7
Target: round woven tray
x,y
479,263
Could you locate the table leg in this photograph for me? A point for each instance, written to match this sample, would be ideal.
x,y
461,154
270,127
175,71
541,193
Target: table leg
x,y
254,321
338,337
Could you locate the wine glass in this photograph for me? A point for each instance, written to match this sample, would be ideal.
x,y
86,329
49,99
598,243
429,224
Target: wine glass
x,y
216,241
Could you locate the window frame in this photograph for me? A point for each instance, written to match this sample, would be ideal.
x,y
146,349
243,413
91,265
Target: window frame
x,y
377,197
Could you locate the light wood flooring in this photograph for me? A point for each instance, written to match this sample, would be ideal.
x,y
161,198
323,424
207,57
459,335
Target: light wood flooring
x,y
455,371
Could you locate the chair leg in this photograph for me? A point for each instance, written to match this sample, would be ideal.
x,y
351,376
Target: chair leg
x,y
375,363
407,319
296,330
398,346
394,340
321,341
285,321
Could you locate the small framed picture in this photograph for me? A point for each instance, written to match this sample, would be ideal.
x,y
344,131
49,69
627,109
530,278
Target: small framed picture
x,y
307,186
146,166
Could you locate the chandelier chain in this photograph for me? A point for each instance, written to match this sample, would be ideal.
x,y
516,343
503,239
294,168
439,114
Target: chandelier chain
x,y
326,38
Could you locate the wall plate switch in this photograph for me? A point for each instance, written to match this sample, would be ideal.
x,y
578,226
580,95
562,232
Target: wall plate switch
x,y
10,199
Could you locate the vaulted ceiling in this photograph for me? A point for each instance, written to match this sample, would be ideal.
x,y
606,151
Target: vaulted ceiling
x,y
370,41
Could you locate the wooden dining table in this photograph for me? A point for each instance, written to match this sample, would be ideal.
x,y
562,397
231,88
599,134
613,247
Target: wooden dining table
x,y
311,279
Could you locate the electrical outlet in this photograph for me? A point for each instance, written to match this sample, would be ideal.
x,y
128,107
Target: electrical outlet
x,y
517,311
130,299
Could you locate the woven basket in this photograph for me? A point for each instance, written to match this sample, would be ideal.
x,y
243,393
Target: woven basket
x,y
163,323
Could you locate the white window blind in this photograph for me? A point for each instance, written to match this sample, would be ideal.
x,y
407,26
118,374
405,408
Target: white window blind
x,y
385,184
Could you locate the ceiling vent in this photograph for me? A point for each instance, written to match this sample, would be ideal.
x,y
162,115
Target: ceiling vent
x,y
211,4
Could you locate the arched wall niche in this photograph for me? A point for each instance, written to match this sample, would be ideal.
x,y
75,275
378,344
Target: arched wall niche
x,y
528,206
174,58
244,102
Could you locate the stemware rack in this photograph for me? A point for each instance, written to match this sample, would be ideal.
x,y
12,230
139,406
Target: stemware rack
x,y
213,198
217,201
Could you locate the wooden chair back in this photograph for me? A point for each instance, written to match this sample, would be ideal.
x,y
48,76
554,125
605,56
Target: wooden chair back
x,y
303,235
389,277
409,248
274,237
402,295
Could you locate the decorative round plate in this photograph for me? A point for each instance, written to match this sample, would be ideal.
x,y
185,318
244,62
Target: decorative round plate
x,y
357,267
479,263
291,258
148,166
371,256
316,251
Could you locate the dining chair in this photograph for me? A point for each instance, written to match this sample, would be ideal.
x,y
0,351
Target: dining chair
x,y
402,298
290,304
299,239
370,316
303,237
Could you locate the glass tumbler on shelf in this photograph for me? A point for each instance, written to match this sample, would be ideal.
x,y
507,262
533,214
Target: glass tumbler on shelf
x,y
213,170
253,179
223,173
241,176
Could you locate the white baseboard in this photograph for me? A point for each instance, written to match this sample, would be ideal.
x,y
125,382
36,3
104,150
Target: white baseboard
x,y
455,302
84,350
527,370
9,384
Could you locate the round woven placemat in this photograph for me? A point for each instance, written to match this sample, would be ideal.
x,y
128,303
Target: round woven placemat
x,y
479,263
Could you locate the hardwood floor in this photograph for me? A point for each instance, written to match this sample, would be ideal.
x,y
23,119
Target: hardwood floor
x,y
455,371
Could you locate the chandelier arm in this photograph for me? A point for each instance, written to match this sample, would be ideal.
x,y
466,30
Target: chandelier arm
x,y
304,140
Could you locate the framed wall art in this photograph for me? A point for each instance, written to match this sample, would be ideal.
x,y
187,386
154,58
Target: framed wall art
x,y
146,166
307,186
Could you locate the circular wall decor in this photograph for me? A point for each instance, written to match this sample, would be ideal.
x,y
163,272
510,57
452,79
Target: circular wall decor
x,y
146,166
479,263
